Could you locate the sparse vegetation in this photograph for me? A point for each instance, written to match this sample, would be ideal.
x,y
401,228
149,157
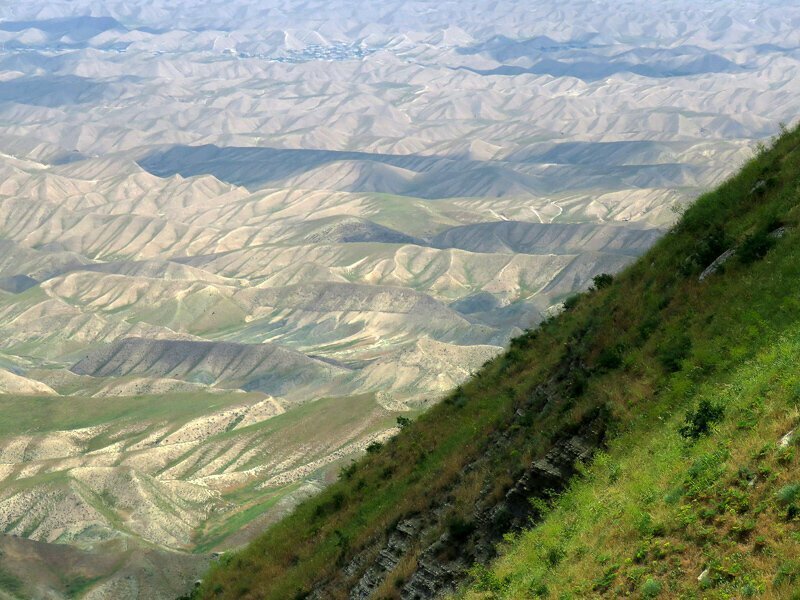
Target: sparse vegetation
x,y
9,582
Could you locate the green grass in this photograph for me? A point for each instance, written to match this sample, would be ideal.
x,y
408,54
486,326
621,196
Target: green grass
x,y
416,216
76,586
42,414
311,423
211,539
671,509
657,352
10,582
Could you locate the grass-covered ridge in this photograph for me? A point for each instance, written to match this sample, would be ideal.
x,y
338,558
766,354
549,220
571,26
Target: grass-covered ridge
x,y
696,387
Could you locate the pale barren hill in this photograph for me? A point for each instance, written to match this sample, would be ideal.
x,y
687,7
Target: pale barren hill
x,y
544,238
139,386
159,479
423,365
428,176
47,328
22,261
349,230
160,270
355,315
57,569
445,274
356,176
17,385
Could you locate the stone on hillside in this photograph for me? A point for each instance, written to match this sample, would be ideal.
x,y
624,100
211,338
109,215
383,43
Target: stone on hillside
x,y
718,262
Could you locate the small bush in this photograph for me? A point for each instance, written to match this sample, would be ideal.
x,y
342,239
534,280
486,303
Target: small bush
x,y
742,530
610,358
460,529
735,500
706,250
576,384
457,399
699,422
755,247
648,327
403,422
347,471
555,556
572,302
602,281
651,588
342,540
604,583
485,580
785,456
374,448
789,494
334,504
539,590
750,589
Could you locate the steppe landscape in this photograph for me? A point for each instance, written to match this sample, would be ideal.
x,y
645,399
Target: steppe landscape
x,y
239,239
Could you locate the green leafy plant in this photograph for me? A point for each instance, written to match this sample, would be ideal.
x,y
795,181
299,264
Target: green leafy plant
x,y
789,494
699,422
651,588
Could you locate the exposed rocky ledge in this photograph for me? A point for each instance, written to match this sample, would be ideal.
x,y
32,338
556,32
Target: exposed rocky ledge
x,y
444,564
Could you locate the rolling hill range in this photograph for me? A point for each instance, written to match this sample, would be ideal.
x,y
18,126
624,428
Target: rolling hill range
x,y
226,350
239,239
641,443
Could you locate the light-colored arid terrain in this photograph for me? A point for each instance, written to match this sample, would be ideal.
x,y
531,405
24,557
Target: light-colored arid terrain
x,y
238,239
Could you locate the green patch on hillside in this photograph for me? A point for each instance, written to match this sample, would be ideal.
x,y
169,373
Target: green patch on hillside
x,y
217,533
9,582
694,495
415,216
40,414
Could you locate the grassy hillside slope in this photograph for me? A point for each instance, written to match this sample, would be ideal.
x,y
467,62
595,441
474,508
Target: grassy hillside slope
x,y
671,397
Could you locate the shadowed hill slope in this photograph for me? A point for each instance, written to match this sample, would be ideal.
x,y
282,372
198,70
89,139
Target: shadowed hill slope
x,y
265,367
670,389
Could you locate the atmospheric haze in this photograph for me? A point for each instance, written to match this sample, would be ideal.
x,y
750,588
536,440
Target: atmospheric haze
x,y
238,239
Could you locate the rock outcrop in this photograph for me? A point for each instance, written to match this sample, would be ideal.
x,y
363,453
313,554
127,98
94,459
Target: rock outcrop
x,y
443,564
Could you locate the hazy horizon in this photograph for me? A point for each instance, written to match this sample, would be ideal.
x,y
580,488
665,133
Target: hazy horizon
x,y
239,239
